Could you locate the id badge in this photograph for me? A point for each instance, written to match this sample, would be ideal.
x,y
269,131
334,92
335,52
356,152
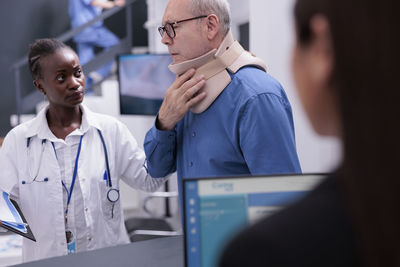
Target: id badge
x,y
71,244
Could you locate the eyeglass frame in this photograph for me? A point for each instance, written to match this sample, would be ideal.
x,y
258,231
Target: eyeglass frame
x,y
162,29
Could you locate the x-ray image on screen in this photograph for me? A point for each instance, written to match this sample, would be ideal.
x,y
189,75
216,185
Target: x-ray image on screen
x,y
143,80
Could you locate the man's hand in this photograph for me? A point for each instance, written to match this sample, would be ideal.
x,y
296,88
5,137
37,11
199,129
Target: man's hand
x,y
179,98
107,4
119,2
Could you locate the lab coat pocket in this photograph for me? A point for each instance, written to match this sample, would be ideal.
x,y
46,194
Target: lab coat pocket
x,y
110,204
111,212
35,190
37,199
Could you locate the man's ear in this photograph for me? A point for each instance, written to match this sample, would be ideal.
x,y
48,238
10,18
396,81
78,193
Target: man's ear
x,y
213,26
39,86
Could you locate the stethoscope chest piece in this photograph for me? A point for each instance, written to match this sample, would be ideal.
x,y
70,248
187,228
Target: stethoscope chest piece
x,y
113,195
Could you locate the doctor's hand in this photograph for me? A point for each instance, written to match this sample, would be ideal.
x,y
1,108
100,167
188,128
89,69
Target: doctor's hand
x,y
179,98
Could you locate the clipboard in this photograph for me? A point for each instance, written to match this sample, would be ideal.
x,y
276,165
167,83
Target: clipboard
x,y
28,233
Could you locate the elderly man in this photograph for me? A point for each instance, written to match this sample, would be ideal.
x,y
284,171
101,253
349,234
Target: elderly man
x,y
223,115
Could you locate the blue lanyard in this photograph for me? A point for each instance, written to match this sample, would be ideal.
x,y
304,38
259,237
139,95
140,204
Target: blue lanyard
x,y
69,192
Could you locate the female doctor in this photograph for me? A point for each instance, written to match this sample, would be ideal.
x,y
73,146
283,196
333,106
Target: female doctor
x,y
64,166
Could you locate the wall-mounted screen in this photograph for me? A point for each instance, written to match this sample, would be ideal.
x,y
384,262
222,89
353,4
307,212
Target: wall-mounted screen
x,y
143,80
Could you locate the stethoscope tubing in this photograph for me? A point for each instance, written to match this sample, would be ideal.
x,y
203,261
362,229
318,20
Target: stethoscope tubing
x,y
69,192
106,156
40,159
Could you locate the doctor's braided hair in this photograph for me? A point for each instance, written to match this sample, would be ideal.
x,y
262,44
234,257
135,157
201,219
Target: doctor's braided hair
x,y
39,49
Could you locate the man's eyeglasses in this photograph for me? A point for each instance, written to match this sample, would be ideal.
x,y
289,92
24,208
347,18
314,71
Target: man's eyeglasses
x,y
169,27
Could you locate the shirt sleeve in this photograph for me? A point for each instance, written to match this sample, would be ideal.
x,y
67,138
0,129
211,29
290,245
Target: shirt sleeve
x,y
160,149
87,2
9,168
267,136
131,162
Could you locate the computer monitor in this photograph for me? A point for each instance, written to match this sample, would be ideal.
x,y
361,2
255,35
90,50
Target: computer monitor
x,y
143,80
215,209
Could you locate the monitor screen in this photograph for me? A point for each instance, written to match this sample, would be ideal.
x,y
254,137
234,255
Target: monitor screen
x,y
143,80
215,209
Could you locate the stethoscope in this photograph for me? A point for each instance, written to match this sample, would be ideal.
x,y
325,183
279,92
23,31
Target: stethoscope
x,y
112,193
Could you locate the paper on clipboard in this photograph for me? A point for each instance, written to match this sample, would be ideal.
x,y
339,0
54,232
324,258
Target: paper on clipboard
x,y
11,217
9,214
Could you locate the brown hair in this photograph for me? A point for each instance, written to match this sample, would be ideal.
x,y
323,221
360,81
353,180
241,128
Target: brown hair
x,y
365,37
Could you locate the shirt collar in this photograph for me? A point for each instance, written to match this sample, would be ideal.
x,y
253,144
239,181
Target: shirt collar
x,y
40,128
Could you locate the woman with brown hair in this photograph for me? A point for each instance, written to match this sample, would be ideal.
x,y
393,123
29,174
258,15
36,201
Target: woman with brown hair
x,y
344,64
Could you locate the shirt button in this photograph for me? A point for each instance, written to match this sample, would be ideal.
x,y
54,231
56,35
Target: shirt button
x,y
194,134
86,209
89,239
190,164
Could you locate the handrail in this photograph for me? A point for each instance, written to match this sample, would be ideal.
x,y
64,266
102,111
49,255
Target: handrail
x,y
28,102
72,32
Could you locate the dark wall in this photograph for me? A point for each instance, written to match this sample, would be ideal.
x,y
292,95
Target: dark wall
x,y
22,21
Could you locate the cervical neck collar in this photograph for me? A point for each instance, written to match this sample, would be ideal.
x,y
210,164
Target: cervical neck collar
x,y
214,65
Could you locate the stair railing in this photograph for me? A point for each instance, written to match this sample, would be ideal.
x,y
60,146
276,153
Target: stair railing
x,y
28,103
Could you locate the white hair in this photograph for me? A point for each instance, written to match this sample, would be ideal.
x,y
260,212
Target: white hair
x,y
218,7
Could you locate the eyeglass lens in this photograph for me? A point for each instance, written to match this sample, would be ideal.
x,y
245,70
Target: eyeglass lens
x,y
169,29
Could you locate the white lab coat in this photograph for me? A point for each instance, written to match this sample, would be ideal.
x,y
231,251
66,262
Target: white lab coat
x,y
42,202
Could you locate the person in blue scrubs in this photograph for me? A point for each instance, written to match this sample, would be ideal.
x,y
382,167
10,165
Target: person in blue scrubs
x,y
248,129
97,35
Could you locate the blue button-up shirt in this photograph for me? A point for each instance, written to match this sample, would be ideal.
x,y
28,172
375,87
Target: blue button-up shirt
x,y
248,130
